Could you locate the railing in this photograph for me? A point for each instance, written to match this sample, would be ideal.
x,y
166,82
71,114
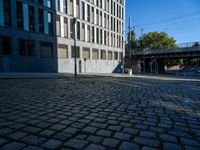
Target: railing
x,y
178,46
188,45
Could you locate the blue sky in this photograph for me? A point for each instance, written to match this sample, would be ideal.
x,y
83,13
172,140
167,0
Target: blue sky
x,y
179,18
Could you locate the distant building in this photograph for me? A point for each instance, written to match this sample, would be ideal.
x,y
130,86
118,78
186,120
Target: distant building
x,y
37,35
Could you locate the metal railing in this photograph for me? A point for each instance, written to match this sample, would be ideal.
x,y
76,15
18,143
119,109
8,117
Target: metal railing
x,y
178,46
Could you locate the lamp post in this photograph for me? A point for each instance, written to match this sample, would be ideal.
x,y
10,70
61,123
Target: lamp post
x,y
144,60
75,63
123,54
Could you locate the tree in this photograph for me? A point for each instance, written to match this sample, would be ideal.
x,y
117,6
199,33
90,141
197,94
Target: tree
x,y
157,40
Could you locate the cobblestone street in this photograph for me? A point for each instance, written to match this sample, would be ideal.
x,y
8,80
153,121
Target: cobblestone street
x,y
99,113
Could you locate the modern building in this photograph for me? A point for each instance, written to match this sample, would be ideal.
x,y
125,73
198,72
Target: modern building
x,y
37,35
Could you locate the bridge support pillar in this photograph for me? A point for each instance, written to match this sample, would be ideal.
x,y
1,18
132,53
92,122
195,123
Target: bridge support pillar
x,y
186,61
160,66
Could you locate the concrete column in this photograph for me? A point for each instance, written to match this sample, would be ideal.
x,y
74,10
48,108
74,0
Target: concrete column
x,y
81,52
62,26
90,53
95,35
86,34
74,8
103,37
61,5
95,15
26,17
69,23
161,66
86,15
1,13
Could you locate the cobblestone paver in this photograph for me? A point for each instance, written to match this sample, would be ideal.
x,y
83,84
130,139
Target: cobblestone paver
x,y
99,113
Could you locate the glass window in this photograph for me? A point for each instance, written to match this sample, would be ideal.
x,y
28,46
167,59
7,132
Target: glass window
x,y
95,54
58,32
46,49
31,18
7,12
50,23
65,6
62,51
77,52
103,54
5,46
26,48
19,8
41,20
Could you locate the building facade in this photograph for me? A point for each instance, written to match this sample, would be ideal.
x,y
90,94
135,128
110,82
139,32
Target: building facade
x,y
38,35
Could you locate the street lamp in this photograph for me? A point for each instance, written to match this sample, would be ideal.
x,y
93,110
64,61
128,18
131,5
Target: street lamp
x,y
144,60
75,63
123,54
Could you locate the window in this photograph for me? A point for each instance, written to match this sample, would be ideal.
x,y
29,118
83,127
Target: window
x,y
26,48
97,17
88,33
50,23
116,55
62,51
71,28
92,15
46,49
49,3
5,46
40,2
71,7
7,12
58,31
109,55
97,36
65,27
77,52
95,54
78,31
19,8
100,23
88,13
103,54
41,20
83,32
93,35
104,37
58,5
101,36
86,53
77,9
120,56
83,10
65,6
31,18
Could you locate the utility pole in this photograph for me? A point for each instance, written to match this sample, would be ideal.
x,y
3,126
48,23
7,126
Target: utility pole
x,y
129,37
75,63
144,65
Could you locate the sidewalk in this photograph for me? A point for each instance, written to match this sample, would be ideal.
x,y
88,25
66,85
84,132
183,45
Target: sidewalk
x,y
25,75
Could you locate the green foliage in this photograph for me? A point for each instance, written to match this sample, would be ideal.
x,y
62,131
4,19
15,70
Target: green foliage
x,y
172,62
157,40
195,61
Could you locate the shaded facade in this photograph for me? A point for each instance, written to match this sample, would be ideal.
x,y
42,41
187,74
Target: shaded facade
x,y
37,35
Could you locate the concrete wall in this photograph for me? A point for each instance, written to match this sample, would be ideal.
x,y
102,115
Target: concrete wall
x,y
88,66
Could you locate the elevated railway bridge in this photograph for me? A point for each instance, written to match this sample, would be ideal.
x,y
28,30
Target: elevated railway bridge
x,y
152,60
